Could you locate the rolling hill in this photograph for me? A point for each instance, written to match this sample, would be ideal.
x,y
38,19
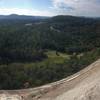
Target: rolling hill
x,y
21,17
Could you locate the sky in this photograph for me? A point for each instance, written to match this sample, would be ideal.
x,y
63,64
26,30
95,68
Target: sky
x,y
90,8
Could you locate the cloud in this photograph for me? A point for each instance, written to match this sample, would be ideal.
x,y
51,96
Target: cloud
x,y
58,7
7,11
78,7
23,7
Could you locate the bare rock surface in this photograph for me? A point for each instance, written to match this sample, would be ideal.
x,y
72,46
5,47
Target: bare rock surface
x,y
10,97
84,85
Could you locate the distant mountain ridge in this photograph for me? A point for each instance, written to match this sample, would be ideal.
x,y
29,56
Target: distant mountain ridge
x,y
64,18
59,18
20,17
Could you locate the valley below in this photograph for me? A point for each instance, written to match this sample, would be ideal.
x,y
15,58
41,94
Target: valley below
x,y
49,58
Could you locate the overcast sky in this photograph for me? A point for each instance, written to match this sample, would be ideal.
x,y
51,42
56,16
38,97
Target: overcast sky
x,y
51,7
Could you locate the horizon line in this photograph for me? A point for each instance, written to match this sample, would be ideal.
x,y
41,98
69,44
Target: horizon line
x,y
49,16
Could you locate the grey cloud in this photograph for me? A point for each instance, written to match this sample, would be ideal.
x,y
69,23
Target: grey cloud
x,y
78,7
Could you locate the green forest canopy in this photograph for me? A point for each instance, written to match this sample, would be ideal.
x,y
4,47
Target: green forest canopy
x,y
26,45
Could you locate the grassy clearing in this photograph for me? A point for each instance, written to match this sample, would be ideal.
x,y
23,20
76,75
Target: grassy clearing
x,y
56,57
53,58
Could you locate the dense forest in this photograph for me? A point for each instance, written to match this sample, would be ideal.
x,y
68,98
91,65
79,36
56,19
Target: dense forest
x,y
38,50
